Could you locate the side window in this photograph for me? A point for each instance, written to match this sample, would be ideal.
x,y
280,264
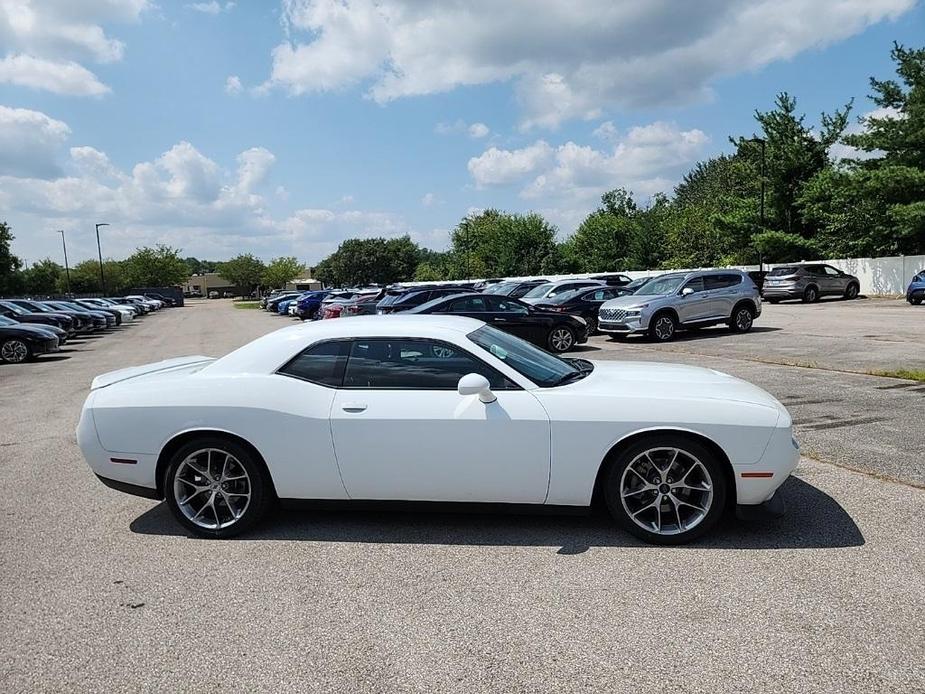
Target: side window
x,y
506,306
829,270
815,270
696,284
471,304
322,364
408,364
611,293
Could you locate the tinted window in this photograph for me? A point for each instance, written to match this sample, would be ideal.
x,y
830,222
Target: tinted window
x,y
413,298
322,364
815,269
721,281
783,271
408,364
506,306
471,304
660,286
541,367
601,294
520,290
696,284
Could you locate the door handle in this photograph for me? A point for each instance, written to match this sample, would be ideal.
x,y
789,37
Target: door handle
x,y
353,407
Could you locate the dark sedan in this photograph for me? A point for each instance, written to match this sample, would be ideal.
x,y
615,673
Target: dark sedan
x,y
405,299
583,302
513,288
557,332
20,342
21,315
82,322
107,320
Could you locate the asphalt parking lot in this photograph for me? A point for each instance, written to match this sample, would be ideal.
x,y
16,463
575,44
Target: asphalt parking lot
x,y
103,591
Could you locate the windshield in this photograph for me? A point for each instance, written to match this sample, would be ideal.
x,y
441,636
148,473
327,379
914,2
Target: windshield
x,y
13,307
566,296
781,271
499,288
543,368
666,284
538,291
7,321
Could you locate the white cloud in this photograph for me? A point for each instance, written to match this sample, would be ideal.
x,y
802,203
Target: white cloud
x,y
30,143
629,53
212,7
233,85
606,131
569,178
429,199
503,166
68,78
47,40
478,130
182,197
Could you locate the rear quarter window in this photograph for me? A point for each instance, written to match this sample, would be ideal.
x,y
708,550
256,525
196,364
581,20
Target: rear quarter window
x,y
322,364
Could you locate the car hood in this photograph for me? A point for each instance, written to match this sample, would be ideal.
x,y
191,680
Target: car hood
x,y
631,301
167,366
671,381
36,330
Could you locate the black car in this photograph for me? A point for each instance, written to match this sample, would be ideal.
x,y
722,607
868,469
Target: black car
x,y
107,320
513,288
166,300
140,308
613,279
404,299
21,315
90,306
20,342
557,332
584,302
82,322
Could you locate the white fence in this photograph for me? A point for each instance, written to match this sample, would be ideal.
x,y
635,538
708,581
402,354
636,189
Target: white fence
x,y
878,276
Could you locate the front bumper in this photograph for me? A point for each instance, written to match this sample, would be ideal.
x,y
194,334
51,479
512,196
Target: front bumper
x,y
757,482
45,346
915,295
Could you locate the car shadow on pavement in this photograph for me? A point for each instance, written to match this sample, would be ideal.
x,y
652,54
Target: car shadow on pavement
x,y
813,520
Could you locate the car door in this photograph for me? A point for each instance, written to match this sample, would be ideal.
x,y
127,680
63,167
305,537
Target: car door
x,y
695,305
401,430
836,282
722,291
517,318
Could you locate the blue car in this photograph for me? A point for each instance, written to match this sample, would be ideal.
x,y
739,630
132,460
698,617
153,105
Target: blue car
x,y
915,294
308,304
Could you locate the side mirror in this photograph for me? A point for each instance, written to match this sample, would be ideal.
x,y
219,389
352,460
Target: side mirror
x,y
687,291
476,384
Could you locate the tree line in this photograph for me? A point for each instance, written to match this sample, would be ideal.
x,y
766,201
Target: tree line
x,y
830,190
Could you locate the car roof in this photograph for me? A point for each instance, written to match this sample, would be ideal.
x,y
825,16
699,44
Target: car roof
x,y
268,353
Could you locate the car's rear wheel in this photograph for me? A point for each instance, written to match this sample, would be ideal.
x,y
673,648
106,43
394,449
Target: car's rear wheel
x,y
915,301
15,351
663,327
666,489
810,295
561,339
592,325
742,319
852,291
216,488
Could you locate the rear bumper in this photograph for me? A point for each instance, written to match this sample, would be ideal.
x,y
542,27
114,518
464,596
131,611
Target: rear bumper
x,y
127,488
782,292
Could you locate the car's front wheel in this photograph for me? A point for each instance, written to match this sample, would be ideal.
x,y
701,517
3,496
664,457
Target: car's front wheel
x,y
666,489
561,339
15,351
663,327
216,488
852,291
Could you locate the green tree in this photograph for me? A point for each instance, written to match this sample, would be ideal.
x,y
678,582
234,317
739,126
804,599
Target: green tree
x,y
781,247
603,240
244,271
280,271
10,281
43,277
370,261
648,245
160,266
496,244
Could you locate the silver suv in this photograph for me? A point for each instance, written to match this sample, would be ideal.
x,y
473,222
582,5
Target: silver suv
x,y
684,300
807,282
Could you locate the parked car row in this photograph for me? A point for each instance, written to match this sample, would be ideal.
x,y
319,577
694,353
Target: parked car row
x,y
30,327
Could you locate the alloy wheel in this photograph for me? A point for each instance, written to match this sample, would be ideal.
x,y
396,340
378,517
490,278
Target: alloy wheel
x,y
667,491
212,488
664,328
744,320
561,339
852,291
14,351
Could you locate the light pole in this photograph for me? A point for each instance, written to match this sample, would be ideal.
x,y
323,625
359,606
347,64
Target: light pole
x,y
763,143
100,251
67,270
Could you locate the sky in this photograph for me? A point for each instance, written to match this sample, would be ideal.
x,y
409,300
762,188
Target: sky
x,y
283,128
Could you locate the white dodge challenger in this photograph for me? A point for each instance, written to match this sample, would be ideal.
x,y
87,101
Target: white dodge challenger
x,y
435,409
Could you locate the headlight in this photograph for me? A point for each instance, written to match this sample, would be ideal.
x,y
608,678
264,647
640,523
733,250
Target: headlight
x,y
635,313
580,319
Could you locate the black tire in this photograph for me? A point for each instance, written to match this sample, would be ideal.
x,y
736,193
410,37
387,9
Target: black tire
x,y
690,447
916,301
742,318
810,295
261,487
561,338
663,327
592,325
14,351
852,291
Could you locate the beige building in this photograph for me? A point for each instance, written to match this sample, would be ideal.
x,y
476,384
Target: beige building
x,y
208,282
304,284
